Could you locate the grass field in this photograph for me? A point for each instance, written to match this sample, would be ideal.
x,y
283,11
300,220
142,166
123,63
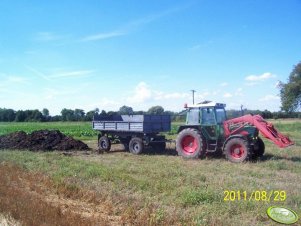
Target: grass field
x,y
152,189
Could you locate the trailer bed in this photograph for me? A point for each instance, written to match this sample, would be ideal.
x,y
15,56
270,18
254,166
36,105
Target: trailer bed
x,y
133,123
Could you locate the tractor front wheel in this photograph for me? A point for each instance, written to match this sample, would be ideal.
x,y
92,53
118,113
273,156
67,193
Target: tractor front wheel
x,y
237,150
189,143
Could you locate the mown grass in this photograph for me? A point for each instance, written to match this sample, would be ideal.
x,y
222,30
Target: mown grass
x,y
189,192
169,190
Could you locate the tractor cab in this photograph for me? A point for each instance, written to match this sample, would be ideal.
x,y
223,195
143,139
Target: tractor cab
x,y
207,117
206,113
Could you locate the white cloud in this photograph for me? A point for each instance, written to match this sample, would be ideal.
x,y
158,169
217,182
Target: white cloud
x,y
16,79
102,36
69,74
250,83
106,103
142,93
132,25
59,74
215,92
258,78
47,36
269,97
167,96
224,84
238,92
227,95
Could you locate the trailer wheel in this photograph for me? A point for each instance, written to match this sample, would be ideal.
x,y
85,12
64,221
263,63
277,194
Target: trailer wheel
x,y
136,145
104,143
237,150
259,150
189,143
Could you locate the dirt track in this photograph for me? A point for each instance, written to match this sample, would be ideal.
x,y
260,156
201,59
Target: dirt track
x,y
33,199
41,140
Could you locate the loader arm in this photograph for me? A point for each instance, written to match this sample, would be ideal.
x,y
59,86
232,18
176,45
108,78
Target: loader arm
x,y
265,128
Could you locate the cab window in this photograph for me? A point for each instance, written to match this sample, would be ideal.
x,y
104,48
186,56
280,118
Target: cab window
x,y
208,117
220,115
193,116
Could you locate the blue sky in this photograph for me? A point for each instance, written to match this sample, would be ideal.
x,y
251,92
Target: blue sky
x,y
105,54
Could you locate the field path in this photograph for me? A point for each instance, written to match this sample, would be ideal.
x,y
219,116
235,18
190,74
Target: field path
x,y
33,199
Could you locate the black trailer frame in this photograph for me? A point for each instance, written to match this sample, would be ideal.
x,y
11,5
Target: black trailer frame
x,y
133,131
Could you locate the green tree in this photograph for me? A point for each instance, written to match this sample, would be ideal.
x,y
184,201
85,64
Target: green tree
x,y
126,110
91,114
67,115
45,112
290,92
20,116
7,115
79,114
156,110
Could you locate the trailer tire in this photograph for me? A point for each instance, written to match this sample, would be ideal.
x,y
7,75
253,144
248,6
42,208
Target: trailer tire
x,y
259,151
136,145
237,150
104,144
189,144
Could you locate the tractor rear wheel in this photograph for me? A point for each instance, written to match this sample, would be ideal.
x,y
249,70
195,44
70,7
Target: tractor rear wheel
x,y
189,143
104,144
259,148
237,150
136,145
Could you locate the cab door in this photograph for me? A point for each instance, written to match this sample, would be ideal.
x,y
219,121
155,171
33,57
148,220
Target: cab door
x,y
209,123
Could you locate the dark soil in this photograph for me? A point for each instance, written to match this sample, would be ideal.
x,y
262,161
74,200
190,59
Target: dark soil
x,y
41,140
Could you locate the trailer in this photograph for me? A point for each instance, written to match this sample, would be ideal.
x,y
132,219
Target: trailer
x,y
133,131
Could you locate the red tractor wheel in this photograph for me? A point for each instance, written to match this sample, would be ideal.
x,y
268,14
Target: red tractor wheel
x,y
237,150
189,143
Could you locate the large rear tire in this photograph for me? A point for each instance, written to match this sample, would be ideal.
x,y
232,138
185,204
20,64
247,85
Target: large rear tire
x,y
189,143
136,145
259,148
104,144
237,150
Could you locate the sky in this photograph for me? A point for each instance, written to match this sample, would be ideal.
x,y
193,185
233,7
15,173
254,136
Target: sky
x,y
105,54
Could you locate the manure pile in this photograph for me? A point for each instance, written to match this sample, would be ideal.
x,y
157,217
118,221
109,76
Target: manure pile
x,y
41,140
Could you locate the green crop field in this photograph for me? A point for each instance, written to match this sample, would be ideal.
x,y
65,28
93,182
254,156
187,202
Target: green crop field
x,y
80,130
150,189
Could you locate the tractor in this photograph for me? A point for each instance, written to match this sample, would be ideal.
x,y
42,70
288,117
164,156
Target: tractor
x,y
207,130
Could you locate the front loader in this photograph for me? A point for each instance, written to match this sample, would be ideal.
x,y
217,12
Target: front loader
x,y
208,130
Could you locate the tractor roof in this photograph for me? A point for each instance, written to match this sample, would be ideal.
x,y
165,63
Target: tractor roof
x,y
205,104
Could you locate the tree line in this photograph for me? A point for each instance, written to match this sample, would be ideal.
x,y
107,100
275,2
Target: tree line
x,y
10,115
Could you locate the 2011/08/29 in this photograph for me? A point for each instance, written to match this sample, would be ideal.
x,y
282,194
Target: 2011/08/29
x,y
259,195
